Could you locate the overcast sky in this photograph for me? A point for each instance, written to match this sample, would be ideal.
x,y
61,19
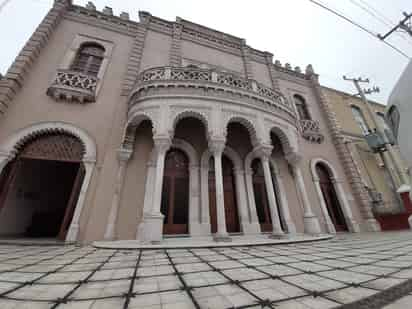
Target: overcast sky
x,y
295,31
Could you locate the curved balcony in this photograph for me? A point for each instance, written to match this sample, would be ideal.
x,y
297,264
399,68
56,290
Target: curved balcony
x,y
73,86
213,83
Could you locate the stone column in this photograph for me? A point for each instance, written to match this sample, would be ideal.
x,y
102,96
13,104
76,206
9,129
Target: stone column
x,y
153,225
251,199
195,228
273,205
148,195
247,227
216,147
328,222
353,226
73,231
204,210
123,157
284,205
310,221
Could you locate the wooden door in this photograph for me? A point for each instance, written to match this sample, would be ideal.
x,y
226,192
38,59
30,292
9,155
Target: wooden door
x,y
175,194
331,200
261,198
71,205
229,190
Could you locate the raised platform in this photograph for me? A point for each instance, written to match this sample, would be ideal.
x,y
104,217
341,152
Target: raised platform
x,y
209,242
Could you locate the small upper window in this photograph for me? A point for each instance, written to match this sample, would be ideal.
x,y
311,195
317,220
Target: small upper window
x,y
393,118
301,107
358,115
89,58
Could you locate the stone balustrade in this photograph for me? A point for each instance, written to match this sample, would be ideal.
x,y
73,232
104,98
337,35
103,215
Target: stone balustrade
x,y
311,131
213,79
73,86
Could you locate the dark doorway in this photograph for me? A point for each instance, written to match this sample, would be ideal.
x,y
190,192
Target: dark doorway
x,y
231,212
331,199
40,187
261,197
39,197
175,194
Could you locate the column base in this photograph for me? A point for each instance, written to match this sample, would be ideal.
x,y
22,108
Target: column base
x,y
372,225
222,238
278,236
109,234
290,227
330,228
72,233
251,228
311,225
199,229
152,228
353,226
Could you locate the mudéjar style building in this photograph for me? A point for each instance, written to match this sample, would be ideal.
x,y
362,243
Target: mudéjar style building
x,y
116,129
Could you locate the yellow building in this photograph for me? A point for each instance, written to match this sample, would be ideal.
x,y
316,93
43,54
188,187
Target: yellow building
x,y
377,170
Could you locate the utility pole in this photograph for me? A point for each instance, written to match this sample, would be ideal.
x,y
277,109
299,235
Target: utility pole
x,y
405,24
380,130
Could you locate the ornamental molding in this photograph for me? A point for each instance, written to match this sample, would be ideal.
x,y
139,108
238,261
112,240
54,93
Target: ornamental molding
x,y
210,81
311,131
73,86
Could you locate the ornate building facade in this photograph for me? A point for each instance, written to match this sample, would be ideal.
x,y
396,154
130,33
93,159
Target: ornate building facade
x,y
116,129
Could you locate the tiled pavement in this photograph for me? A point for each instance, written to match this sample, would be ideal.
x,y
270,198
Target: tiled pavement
x,y
316,275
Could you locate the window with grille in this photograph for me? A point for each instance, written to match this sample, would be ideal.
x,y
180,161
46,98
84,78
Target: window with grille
x,y
301,108
393,117
89,59
358,115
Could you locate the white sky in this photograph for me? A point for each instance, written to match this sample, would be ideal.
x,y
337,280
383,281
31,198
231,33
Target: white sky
x,y
295,31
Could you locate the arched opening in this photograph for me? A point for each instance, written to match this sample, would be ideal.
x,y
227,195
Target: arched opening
x,y
41,186
89,59
330,197
301,107
231,208
175,194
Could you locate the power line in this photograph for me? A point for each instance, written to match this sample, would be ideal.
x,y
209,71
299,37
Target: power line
x,y
378,16
358,26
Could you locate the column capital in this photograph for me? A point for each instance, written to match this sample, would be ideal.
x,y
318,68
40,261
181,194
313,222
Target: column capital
x,y
162,143
123,154
217,146
264,151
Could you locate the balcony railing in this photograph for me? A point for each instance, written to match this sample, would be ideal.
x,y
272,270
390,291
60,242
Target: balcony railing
x,y
73,86
311,131
214,78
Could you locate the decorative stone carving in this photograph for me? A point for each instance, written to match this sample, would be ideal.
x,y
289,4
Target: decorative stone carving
x,y
73,86
108,11
311,131
90,6
211,80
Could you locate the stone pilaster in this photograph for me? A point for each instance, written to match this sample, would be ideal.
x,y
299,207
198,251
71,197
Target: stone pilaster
x,y
349,166
175,57
136,54
247,64
272,71
18,71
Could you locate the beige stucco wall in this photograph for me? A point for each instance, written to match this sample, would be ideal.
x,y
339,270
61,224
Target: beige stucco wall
x,y
374,174
105,120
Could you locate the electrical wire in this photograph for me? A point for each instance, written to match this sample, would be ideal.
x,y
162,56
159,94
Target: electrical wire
x,y
358,26
378,16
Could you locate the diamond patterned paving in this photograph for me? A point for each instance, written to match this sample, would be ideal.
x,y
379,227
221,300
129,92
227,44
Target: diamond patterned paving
x,y
326,274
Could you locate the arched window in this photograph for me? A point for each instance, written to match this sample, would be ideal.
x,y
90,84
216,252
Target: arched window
x,y
301,107
192,66
89,58
358,115
393,118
